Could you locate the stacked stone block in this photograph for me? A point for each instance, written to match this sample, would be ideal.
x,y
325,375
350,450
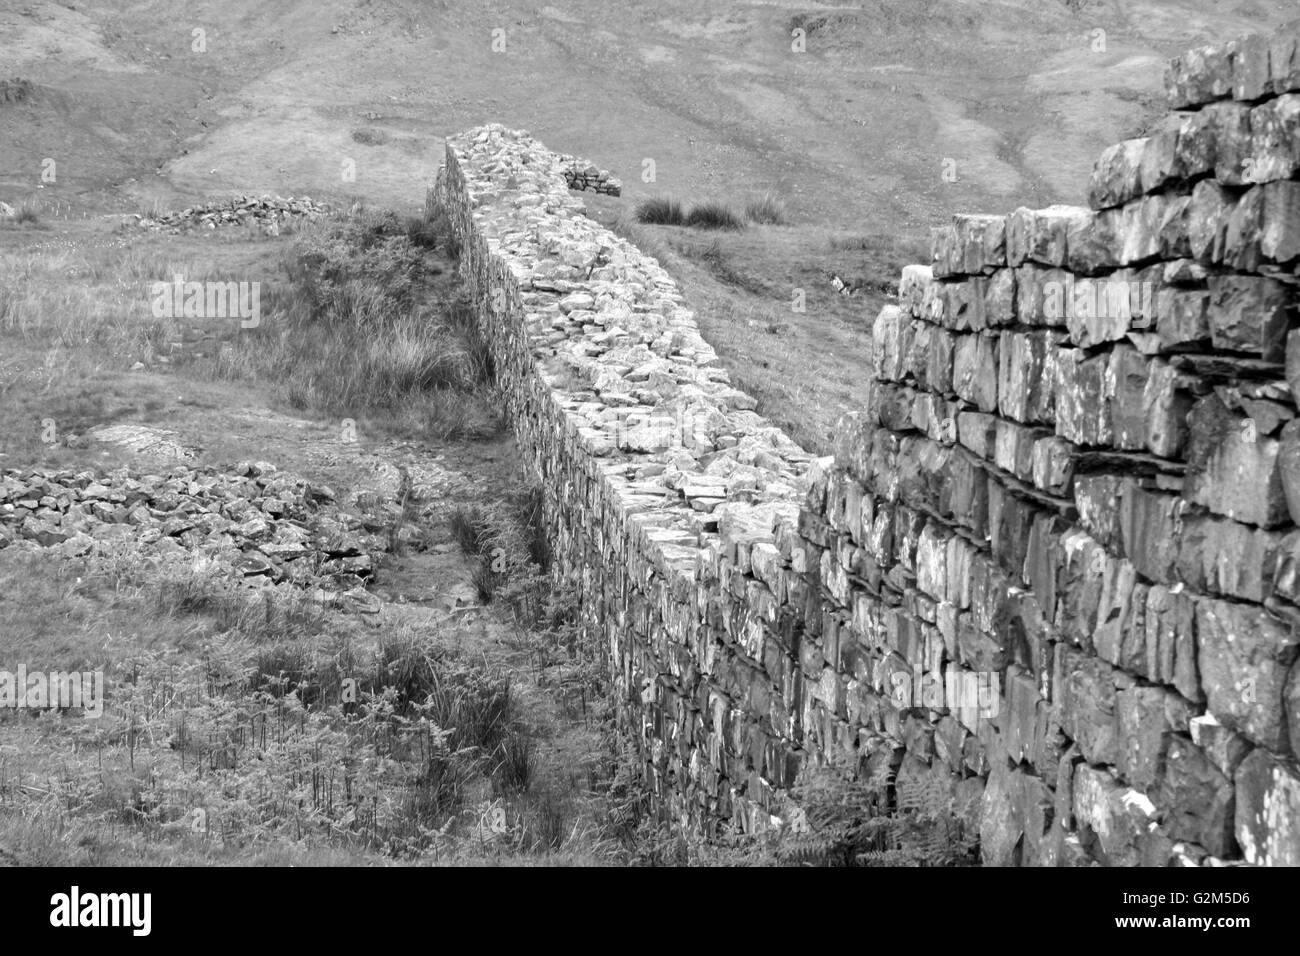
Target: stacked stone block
x,y
1077,473
583,175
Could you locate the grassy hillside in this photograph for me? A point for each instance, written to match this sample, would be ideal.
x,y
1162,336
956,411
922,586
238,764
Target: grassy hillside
x,y
871,121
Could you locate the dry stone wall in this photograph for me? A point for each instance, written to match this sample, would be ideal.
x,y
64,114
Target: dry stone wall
x,y
672,506
1051,569
1083,433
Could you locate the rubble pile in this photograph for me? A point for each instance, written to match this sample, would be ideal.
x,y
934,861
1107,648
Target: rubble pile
x,y
265,212
261,525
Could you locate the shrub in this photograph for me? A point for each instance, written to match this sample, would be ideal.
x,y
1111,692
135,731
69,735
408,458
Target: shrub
x,y
372,324
660,211
713,215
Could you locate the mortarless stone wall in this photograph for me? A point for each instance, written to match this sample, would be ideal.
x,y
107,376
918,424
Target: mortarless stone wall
x,y
672,505
1053,565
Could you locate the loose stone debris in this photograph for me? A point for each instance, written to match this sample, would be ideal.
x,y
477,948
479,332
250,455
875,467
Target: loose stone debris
x,y
267,212
260,525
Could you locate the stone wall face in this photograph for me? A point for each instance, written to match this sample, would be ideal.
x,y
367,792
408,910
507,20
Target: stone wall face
x,y
1052,566
1083,440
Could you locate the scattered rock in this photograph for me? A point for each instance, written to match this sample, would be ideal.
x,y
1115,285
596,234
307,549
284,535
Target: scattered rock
x,y
267,212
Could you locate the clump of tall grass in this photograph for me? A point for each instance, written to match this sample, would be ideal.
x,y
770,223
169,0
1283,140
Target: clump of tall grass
x,y
660,211
768,209
713,215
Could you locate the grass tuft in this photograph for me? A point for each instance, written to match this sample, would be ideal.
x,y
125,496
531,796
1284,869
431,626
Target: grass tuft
x,y
768,209
660,211
713,215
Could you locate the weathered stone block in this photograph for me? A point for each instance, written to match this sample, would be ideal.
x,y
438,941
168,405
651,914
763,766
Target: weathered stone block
x,y
1014,448
912,286
1094,243
1098,496
1228,558
1198,798
1118,819
1120,609
1198,76
1099,311
1231,469
1010,519
1052,461
1268,810
981,243
891,337
1043,296
1150,227
1025,376
1250,314
1081,397
1284,62
1244,654
1279,239
1208,218
1101,400
1183,319
961,304
1148,717
975,370
1131,406
1165,404
1231,142
944,258
1195,147
1150,524
938,365
1001,830
1274,141
1079,582
1224,748
1000,297
1115,175
1170,641
1250,74
1084,693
